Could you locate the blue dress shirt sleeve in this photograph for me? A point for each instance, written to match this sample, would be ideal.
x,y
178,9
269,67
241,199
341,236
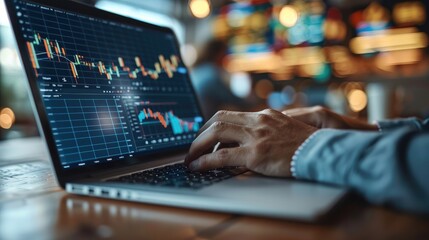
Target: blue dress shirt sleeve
x,y
412,123
390,167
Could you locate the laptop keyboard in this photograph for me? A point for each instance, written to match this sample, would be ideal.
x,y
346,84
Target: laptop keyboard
x,y
179,176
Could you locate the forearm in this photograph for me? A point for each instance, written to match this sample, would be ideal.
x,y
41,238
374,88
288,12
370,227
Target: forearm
x,y
376,165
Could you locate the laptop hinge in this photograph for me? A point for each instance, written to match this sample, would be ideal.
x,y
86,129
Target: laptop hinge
x,y
103,174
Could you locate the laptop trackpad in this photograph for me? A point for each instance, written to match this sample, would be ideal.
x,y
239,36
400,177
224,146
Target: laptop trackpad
x,y
275,196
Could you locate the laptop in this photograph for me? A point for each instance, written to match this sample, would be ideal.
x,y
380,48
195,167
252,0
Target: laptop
x,y
115,104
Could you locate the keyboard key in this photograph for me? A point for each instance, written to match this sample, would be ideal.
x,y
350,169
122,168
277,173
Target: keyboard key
x,y
178,176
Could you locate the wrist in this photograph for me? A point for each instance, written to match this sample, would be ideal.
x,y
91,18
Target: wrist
x,y
360,125
367,127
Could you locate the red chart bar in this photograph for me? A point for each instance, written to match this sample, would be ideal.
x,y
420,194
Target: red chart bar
x,y
33,57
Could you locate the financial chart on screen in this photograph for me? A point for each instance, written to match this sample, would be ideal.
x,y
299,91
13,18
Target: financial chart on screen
x,y
110,90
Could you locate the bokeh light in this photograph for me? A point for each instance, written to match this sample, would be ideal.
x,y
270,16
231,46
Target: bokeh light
x,y
357,100
236,18
389,40
376,13
9,58
341,60
275,101
287,95
263,88
241,84
288,16
387,61
7,118
189,54
220,27
408,13
199,8
334,30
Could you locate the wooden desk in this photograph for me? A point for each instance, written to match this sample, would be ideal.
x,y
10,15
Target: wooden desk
x,y
54,214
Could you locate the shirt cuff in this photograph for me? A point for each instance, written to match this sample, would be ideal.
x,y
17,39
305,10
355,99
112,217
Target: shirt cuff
x,y
387,125
294,163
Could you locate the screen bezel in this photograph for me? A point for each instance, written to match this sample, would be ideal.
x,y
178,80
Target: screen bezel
x,y
66,175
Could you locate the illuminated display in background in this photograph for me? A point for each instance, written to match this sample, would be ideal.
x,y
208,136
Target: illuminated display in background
x,y
375,37
110,90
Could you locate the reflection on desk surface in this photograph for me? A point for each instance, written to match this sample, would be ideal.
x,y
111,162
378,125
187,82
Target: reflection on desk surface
x,y
59,215
26,178
62,216
25,169
24,149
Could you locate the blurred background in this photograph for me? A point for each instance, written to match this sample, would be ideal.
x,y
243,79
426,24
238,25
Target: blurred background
x,y
366,59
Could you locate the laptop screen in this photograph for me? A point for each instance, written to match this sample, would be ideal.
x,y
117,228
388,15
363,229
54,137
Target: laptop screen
x,y
110,90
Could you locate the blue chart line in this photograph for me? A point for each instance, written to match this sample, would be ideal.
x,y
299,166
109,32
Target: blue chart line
x,y
178,126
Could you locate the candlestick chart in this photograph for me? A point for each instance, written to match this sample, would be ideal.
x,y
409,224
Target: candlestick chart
x,y
43,49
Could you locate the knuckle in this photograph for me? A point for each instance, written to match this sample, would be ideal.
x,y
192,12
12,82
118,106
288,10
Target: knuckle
x,y
202,162
223,156
263,118
319,108
218,125
268,116
269,111
286,112
219,114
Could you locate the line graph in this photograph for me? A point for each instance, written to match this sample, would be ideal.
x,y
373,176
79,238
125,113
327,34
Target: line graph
x,y
178,126
52,51
90,128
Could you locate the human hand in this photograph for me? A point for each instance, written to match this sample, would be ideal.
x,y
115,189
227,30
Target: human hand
x,y
264,142
321,117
